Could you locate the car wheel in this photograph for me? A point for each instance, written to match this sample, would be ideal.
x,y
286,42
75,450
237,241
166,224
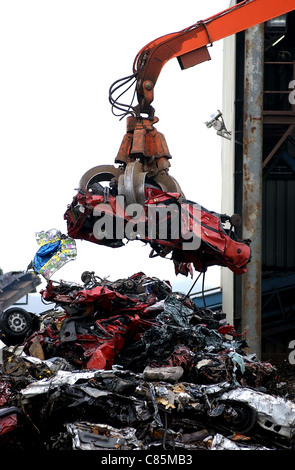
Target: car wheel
x,y
15,324
239,417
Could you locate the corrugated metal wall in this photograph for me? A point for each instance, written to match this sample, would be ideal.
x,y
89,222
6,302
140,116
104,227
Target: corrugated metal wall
x,y
278,224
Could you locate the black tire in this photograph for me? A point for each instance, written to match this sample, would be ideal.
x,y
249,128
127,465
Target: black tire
x,y
241,419
15,324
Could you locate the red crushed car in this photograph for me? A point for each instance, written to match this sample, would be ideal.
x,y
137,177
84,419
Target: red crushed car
x,y
192,236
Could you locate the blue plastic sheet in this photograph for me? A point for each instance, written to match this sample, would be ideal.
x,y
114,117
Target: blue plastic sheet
x,y
54,252
44,254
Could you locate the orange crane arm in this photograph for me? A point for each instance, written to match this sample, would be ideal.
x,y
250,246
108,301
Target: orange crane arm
x,y
190,44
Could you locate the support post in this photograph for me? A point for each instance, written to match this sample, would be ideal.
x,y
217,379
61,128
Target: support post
x,y
252,183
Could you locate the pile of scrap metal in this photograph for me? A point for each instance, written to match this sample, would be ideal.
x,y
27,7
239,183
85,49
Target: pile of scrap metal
x,y
130,365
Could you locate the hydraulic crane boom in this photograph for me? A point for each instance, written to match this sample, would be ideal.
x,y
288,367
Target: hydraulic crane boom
x,y
190,44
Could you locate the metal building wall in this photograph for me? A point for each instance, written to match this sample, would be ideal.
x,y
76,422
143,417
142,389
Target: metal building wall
x,y
278,189
278,225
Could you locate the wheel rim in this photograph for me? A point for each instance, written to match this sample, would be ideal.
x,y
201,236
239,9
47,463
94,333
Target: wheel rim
x,y
99,174
17,322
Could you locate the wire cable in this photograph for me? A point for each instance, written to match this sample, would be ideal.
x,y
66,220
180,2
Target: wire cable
x,y
203,290
117,85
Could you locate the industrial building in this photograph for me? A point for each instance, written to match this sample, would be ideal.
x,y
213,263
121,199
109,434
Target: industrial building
x,y
258,177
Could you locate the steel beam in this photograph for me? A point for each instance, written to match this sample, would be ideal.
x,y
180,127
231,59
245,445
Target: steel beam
x,y
286,134
252,183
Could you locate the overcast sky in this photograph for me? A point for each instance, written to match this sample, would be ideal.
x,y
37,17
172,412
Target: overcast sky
x,y
58,59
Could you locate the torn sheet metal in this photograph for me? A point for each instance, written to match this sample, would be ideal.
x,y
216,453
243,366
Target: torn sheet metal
x,y
61,378
220,442
89,436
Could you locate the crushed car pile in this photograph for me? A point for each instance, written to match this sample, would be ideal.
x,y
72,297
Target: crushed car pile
x,y
132,365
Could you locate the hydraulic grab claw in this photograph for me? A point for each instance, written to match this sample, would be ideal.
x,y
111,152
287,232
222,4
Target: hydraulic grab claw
x,y
143,158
